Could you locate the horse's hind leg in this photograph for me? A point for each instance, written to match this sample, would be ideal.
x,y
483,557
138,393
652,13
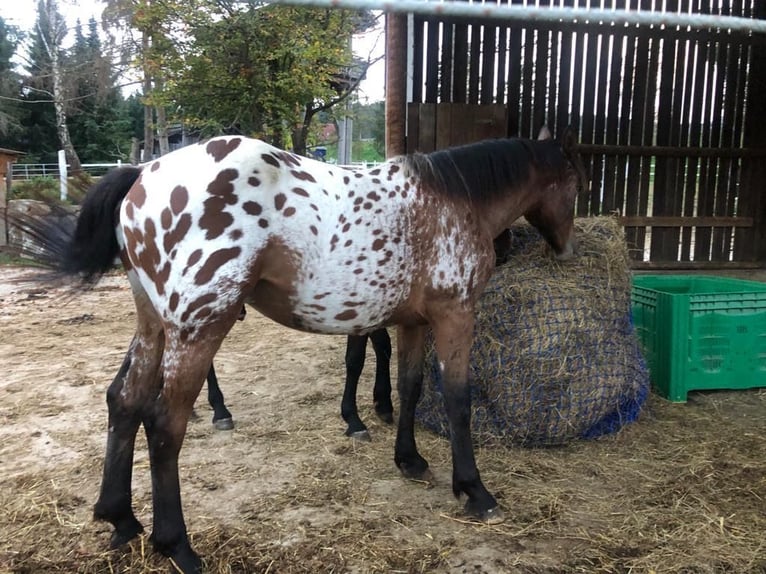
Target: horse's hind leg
x,y
356,346
185,365
222,419
381,393
126,397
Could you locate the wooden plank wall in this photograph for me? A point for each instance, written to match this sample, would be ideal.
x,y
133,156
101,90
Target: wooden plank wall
x,y
669,120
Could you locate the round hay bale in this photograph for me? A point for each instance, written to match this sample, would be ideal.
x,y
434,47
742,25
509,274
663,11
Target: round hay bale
x,y
554,356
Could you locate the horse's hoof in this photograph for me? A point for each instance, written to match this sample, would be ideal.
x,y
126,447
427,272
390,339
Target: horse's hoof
x,y
224,424
492,516
125,535
387,418
362,435
186,564
424,475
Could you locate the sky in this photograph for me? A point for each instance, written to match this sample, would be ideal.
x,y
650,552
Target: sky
x,y
22,13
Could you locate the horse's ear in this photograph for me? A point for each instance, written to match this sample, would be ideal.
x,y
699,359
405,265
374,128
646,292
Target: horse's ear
x,y
569,140
545,134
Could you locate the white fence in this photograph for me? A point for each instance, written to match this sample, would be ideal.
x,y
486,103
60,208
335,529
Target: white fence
x,y
22,171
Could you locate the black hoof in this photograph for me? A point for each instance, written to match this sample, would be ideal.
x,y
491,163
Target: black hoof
x,y
224,424
362,435
181,556
387,418
492,516
186,564
125,534
418,471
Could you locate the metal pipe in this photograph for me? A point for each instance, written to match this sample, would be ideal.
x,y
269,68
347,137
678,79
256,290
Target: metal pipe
x,y
533,14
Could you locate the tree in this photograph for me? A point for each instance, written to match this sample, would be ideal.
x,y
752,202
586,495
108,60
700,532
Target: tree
x,y
50,33
99,119
10,87
264,71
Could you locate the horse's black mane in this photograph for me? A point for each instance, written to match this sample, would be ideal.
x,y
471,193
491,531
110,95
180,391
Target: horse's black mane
x,y
481,170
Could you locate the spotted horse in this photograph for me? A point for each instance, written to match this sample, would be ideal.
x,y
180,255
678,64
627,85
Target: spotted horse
x,y
233,221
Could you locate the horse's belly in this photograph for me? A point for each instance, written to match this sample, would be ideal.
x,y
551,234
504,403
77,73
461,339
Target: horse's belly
x,y
335,312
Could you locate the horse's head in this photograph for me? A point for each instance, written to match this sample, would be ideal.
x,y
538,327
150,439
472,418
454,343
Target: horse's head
x,y
553,215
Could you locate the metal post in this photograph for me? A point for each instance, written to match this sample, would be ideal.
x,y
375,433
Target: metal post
x,y
62,175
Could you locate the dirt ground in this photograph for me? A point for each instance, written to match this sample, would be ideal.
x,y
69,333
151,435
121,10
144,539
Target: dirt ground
x,y
681,490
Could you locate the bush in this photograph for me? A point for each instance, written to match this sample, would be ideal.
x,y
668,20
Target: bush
x,y
45,189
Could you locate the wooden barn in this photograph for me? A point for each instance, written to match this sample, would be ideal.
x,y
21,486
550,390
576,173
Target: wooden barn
x,y
669,117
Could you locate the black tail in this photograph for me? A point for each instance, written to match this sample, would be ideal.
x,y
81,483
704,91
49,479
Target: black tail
x,y
88,247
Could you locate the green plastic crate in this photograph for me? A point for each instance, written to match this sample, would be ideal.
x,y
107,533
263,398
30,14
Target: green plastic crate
x,y
700,332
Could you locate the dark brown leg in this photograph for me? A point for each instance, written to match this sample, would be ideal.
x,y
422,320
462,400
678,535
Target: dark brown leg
x,y
136,382
165,424
381,393
453,336
410,341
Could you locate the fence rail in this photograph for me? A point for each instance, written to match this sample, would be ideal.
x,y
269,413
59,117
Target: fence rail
x,y
23,171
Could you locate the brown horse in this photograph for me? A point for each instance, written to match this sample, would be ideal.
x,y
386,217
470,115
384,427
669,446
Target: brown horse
x,y
233,221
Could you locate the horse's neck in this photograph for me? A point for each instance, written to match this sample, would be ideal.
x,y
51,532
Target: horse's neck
x,y
506,208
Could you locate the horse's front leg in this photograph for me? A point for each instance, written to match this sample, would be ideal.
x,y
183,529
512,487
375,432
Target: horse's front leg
x,y
453,337
356,347
126,397
381,393
410,341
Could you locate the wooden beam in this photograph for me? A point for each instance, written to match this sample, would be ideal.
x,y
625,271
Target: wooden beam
x,y
680,221
668,151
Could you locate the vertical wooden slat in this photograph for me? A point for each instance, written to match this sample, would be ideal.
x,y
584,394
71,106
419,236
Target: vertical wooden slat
x,y
628,47
413,128
649,124
682,109
641,112
418,41
542,55
751,244
445,125
564,94
710,132
554,73
432,61
739,77
602,45
719,170
446,62
700,50
474,59
502,62
590,74
487,84
514,77
610,201
427,128
678,135
663,246
527,88
459,94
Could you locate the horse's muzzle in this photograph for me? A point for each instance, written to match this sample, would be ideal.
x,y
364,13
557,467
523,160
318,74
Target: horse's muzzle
x,y
569,251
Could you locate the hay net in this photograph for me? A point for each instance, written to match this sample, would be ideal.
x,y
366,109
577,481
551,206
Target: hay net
x,y
554,356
